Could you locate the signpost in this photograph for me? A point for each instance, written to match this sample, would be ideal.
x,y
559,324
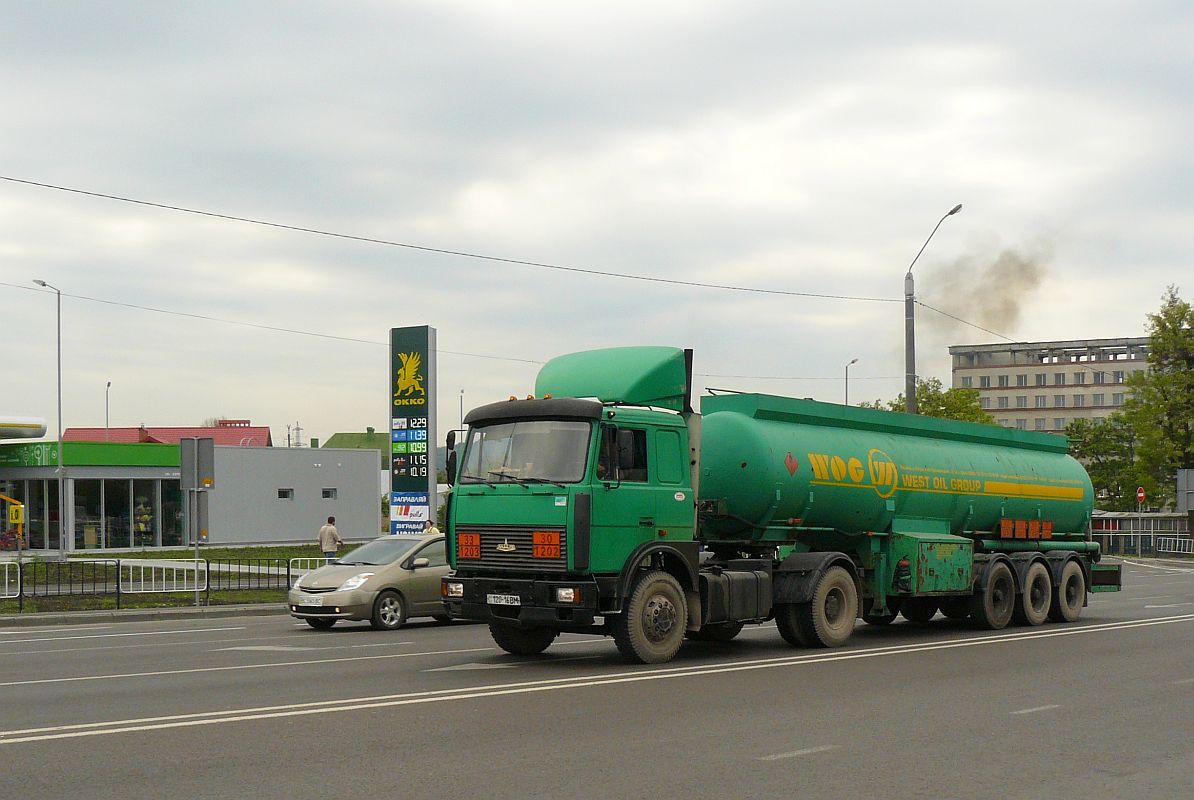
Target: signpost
x,y
412,395
197,463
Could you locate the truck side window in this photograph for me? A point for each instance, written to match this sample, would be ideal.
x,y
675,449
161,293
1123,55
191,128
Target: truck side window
x,y
632,455
629,452
668,458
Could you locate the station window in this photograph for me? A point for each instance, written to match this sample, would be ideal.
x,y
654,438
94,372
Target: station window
x,y
967,381
1079,400
1041,401
1021,380
1003,402
1059,401
1079,378
1100,377
1096,399
1117,376
1003,382
1117,399
1059,423
329,494
1041,379
1059,379
1039,423
1021,424
984,402
984,382
286,494
1022,401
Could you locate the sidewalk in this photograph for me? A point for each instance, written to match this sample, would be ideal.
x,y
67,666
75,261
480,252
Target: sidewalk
x,y
138,615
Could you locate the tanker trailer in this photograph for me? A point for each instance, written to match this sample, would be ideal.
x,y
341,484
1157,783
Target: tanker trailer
x,y
606,505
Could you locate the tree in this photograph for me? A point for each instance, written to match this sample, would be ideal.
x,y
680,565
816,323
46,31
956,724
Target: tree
x,y
211,422
1107,449
934,400
1161,407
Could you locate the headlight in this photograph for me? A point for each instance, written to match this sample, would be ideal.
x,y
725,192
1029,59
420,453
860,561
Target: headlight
x,y
355,582
567,594
453,589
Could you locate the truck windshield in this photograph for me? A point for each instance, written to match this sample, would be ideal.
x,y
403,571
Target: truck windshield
x,y
527,451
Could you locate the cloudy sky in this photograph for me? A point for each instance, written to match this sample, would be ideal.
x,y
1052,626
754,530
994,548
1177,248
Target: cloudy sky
x,y
776,146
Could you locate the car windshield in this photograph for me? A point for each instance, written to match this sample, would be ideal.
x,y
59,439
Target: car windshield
x,y
527,451
381,551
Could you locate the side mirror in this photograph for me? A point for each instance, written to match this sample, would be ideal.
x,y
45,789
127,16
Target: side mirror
x,y
451,441
451,468
419,563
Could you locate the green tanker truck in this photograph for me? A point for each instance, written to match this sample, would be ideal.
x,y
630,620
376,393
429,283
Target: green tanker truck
x,y
604,504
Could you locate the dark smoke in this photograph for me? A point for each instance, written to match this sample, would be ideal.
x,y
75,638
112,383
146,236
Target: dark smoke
x,y
990,292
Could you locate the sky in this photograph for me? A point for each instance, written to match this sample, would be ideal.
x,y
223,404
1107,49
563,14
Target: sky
x,y
798,149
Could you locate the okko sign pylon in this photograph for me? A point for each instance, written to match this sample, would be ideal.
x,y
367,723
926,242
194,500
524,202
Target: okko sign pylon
x,y
412,428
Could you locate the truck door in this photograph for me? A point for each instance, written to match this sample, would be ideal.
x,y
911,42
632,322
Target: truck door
x,y
624,514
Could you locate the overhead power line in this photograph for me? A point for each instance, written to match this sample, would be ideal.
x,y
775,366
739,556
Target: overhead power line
x,y
449,252
460,253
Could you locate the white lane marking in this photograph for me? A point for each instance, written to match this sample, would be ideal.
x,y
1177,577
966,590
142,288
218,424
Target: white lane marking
x,y
1183,681
1158,567
126,646
57,629
808,751
1170,605
268,648
1035,709
472,666
380,644
195,670
1150,597
526,687
115,635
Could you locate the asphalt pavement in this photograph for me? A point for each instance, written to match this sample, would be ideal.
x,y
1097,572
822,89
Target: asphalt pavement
x,y
265,707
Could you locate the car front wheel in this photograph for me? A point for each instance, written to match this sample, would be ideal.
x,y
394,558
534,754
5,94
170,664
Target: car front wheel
x,y
389,612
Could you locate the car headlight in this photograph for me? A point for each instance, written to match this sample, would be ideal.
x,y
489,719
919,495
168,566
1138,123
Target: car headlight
x,y
355,582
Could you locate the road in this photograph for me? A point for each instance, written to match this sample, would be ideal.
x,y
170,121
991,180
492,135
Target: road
x,y
264,707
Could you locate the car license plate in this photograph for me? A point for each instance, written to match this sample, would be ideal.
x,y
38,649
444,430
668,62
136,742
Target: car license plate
x,y
311,600
503,599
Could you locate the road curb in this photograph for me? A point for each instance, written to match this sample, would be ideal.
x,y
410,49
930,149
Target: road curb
x,y
137,615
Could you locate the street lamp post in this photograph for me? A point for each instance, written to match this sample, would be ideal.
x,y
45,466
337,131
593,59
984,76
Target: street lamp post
x,y
910,321
61,467
852,361
106,389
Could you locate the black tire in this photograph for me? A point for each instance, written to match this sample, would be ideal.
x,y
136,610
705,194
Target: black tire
x,y
829,619
721,632
522,641
1034,603
991,607
320,624
920,609
1069,594
650,628
790,619
442,619
389,611
955,607
870,618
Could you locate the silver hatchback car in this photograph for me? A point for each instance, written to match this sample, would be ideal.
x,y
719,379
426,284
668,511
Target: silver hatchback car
x,y
386,582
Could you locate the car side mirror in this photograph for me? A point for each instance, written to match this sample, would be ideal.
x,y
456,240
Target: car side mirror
x,y
420,562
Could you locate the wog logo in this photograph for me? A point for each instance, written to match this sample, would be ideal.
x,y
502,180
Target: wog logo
x,y
884,475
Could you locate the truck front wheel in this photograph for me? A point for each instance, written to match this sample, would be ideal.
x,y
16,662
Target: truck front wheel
x,y
521,641
651,626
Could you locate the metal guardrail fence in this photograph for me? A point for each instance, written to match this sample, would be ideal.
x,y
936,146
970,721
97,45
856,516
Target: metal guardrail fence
x,y
298,567
22,580
162,577
1182,545
10,587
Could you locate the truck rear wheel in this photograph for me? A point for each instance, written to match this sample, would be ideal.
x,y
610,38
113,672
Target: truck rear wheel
x,y
829,618
919,609
651,626
1069,594
521,641
991,607
1032,607
871,618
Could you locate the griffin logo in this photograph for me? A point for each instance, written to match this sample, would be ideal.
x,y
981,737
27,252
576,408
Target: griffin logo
x,y
410,381
506,547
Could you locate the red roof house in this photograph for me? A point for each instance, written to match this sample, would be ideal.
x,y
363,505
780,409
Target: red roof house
x,y
226,433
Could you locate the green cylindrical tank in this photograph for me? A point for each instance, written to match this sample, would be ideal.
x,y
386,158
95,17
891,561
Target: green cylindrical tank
x,y
781,462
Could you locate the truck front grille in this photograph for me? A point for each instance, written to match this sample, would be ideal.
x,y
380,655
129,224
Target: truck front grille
x,y
511,548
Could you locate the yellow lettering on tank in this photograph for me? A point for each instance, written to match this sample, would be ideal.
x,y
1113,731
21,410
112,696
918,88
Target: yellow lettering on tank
x,y
854,467
884,475
820,465
838,465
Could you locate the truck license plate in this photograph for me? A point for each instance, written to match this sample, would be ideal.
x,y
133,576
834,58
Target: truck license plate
x,y
310,600
503,599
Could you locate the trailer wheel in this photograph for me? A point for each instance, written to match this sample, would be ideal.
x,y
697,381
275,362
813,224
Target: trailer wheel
x,y
992,607
521,641
722,632
1069,594
651,627
870,618
955,607
919,609
1032,607
829,618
